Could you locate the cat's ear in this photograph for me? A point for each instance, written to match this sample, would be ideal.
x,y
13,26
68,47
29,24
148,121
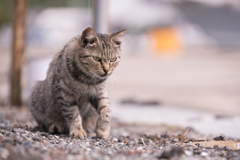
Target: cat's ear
x,y
116,38
88,37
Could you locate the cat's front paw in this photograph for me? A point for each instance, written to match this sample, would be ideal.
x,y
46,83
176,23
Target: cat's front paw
x,y
78,134
103,134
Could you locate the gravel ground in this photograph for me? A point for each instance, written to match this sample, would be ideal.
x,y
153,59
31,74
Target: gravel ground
x,y
19,139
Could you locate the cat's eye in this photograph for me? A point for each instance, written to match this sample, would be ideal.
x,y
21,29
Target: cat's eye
x,y
113,59
96,58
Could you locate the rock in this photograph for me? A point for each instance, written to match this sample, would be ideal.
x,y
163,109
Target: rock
x,y
197,151
36,138
7,140
197,144
208,147
139,148
74,151
4,153
51,137
115,140
188,153
121,144
43,134
227,148
130,143
148,142
5,132
215,147
27,139
18,139
18,130
141,141
96,144
173,152
27,144
188,144
175,140
165,135
220,138
232,154
204,154
120,139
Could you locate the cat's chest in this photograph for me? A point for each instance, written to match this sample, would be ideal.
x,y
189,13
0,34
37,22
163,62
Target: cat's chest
x,y
88,91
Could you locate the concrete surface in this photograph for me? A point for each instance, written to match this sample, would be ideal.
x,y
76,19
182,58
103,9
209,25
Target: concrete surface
x,y
201,80
202,121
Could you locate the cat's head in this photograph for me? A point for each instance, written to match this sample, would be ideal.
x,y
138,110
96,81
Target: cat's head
x,y
100,53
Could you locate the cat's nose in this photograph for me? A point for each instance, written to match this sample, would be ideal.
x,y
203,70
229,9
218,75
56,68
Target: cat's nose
x,y
105,70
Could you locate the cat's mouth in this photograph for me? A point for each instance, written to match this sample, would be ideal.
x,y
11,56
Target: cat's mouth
x,y
104,75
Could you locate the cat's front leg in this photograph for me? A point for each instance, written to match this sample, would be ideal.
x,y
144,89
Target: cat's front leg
x,y
103,122
71,114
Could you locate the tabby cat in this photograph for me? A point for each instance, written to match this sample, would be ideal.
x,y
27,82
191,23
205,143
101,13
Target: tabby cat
x,y
73,98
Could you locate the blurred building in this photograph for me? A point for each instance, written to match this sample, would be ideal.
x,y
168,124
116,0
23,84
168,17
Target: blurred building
x,y
161,25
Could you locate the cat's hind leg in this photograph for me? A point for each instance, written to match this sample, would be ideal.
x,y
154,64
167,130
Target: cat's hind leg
x,y
56,128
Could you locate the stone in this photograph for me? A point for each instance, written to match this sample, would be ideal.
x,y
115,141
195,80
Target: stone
x,y
141,141
115,140
43,134
227,148
4,153
7,140
51,137
175,140
27,144
27,139
18,139
36,138
74,151
188,153
19,130
204,154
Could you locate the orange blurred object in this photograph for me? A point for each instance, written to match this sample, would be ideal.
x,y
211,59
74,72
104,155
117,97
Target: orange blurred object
x,y
165,40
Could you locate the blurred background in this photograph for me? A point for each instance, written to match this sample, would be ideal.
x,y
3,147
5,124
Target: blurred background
x,y
182,54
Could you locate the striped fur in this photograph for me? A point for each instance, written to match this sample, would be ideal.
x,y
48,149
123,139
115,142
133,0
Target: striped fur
x,y
73,99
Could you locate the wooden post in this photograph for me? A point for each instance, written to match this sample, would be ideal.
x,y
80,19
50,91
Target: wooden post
x,y
20,7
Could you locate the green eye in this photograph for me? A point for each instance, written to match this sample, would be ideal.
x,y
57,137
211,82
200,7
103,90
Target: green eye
x,y
113,59
97,58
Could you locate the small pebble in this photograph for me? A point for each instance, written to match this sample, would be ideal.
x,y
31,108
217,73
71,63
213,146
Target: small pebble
x,y
115,140
18,139
96,144
51,137
204,154
140,148
43,134
208,147
4,153
74,151
27,144
27,139
141,141
36,138
227,148
7,140
188,153
175,140
19,130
